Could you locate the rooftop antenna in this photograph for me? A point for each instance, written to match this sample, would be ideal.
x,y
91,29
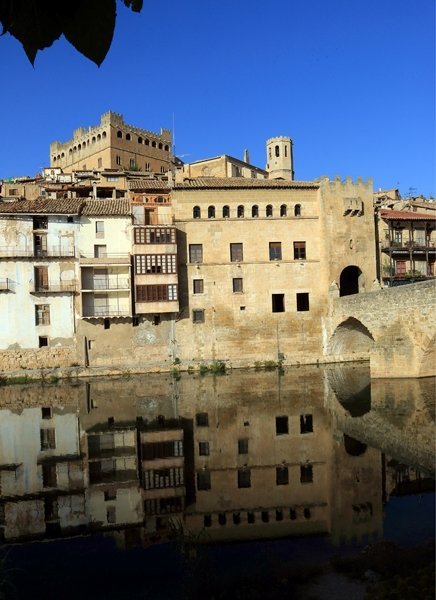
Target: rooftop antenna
x,y
174,135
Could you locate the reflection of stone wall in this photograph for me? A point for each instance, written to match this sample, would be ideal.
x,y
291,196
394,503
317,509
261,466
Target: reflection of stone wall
x,y
26,396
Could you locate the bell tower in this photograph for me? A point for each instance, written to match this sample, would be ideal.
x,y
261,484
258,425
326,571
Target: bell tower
x,y
280,164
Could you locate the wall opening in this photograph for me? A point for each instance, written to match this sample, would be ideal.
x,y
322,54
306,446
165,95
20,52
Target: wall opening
x,y
350,281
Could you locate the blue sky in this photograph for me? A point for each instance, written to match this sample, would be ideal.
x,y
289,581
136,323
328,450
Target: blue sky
x,y
351,81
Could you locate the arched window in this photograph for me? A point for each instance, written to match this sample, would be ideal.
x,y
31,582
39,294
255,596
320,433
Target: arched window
x,y
286,151
74,149
104,134
128,137
211,212
62,155
269,152
196,212
93,140
283,210
277,151
54,159
70,151
160,146
147,166
255,211
79,147
226,212
98,138
153,143
140,140
240,211
269,210
166,148
119,134
297,210
147,142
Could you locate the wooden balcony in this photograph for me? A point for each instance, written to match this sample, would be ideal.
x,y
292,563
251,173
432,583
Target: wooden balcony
x,y
55,287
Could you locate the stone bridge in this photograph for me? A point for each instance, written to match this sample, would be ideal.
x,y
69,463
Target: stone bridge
x,y
393,327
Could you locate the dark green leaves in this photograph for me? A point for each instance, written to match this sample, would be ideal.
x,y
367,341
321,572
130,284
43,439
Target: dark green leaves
x,y
87,24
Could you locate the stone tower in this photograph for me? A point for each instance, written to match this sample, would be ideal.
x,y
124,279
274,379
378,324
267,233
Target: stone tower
x,y
279,158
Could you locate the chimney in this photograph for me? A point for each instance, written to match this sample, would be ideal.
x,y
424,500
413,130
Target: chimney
x,y
246,157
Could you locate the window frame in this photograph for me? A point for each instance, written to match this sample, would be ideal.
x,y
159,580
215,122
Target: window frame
x,y
236,252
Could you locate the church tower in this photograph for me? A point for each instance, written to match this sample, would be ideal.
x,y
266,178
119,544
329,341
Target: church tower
x,y
279,158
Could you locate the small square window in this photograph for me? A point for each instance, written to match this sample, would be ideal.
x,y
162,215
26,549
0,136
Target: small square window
x,y
198,286
198,315
278,303
302,302
238,285
43,341
306,424
243,446
244,478
203,448
202,419
282,425
46,412
282,476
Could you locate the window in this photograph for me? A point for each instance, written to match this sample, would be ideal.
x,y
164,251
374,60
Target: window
x,y
107,323
155,235
49,478
110,495
264,515
306,424
275,251
207,520
40,223
198,286
42,341
118,159
155,479
237,285
202,419
119,134
100,251
302,302
147,142
155,263
243,446
153,144
251,518
297,210
282,475
41,278
277,151
195,253
13,192
156,293
400,267
292,514
196,212
236,252
299,250
222,519
203,448
286,151
198,315
269,210
283,210
226,212
40,245
99,163
203,480
306,474
48,439
46,412
132,162
240,211
307,514
244,478
153,450
70,219
211,212
278,303
42,314
99,229
282,425
254,211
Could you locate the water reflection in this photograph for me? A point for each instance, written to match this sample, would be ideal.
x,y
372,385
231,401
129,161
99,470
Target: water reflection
x,y
248,455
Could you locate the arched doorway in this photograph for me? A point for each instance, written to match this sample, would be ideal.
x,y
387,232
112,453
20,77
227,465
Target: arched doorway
x,y
350,281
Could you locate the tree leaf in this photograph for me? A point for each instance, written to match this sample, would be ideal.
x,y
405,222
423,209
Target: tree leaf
x,y
135,5
91,28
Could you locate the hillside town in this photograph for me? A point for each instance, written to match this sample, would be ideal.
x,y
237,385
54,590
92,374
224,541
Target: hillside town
x,y
119,254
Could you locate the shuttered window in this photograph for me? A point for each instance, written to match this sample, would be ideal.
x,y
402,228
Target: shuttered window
x,y
156,293
155,263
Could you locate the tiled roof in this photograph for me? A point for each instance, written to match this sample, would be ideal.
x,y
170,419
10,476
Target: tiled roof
x,y
107,207
242,183
148,185
406,215
68,206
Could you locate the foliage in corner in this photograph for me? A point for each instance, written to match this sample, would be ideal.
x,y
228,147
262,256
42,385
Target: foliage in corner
x,y
87,24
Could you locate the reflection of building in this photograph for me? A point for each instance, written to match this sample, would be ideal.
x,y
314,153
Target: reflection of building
x,y
42,476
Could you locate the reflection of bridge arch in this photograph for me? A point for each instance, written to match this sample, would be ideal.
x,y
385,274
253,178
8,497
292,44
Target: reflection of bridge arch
x,y
350,337
351,281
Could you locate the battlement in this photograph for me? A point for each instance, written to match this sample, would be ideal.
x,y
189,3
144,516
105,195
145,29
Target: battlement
x,y
284,138
348,182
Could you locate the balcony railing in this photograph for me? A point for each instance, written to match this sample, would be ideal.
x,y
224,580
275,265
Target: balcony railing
x,y
7,285
54,287
103,311
406,245
115,283
120,258
52,252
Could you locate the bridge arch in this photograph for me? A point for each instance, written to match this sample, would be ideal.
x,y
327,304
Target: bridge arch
x,y
350,337
351,281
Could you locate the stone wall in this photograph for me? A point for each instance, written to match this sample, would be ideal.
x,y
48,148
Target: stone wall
x,y
38,358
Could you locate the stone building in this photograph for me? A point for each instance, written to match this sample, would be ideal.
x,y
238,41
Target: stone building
x,y
113,144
